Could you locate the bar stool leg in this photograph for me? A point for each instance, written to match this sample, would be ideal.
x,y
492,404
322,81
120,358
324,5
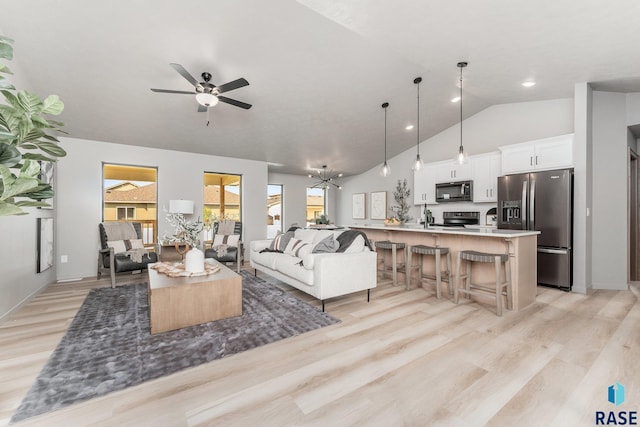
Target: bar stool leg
x,y
394,265
467,281
498,287
438,275
456,293
450,270
407,268
507,268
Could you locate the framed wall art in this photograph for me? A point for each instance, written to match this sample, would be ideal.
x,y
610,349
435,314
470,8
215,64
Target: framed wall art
x,y
379,205
45,244
359,206
46,177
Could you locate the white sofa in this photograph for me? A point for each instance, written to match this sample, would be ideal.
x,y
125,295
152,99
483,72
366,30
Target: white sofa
x,y
323,275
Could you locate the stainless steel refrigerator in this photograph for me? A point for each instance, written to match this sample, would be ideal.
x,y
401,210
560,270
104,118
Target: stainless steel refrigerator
x,y
542,201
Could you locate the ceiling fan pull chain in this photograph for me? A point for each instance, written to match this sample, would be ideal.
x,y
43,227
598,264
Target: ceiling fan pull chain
x,y
208,116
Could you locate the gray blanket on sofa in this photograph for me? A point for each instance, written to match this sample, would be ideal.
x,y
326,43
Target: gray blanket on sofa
x,y
346,238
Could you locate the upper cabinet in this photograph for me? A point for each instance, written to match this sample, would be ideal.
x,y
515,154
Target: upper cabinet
x,y
424,185
486,169
450,171
543,154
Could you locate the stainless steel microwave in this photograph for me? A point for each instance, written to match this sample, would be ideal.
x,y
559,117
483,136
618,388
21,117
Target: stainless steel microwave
x,y
461,191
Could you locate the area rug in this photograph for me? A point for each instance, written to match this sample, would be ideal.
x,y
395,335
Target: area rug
x,y
108,346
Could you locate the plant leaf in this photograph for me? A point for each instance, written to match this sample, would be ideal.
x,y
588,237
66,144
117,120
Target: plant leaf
x,y
30,203
6,85
38,156
11,99
33,135
5,69
6,50
10,209
50,148
41,192
53,105
31,103
9,155
30,169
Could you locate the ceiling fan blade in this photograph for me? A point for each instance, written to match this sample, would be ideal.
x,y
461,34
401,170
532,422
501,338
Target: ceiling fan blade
x,y
234,102
241,82
173,91
202,109
184,73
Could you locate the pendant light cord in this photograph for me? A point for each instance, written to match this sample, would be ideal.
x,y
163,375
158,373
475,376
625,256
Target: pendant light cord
x,y
418,121
385,134
461,107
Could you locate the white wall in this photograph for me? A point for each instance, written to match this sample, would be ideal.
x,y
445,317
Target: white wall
x,y
484,132
582,189
180,176
295,198
609,232
18,277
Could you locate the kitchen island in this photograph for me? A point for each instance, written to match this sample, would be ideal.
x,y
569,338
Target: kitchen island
x,y
520,245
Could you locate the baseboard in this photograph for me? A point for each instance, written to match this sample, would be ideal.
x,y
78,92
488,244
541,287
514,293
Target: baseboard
x,y
25,300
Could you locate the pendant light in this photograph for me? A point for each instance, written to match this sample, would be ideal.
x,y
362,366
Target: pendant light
x,y
386,170
417,164
461,157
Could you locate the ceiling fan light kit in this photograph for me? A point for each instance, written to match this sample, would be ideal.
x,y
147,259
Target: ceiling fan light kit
x,y
461,157
417,164
207,94
386,170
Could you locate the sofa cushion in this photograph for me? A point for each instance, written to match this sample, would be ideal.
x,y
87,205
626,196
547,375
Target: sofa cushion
x,y
321,235
297,248
290,266
305,234
268,259
326,245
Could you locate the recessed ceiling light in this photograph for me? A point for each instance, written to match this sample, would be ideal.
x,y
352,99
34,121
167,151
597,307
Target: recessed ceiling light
x,y
408,127
456,99
528,83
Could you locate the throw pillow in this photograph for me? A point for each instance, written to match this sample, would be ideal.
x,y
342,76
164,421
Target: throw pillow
x,y
305,234
117,245
280,242
134,244
356,246
226,239
326,245
295,246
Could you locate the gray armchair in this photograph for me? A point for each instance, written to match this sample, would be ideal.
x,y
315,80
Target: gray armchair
x,y
233,254
120,262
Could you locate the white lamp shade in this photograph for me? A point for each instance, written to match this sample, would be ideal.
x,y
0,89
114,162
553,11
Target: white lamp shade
x,y
207,99
181,206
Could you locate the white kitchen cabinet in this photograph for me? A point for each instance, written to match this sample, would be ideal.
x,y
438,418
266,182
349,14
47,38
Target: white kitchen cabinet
x,y
424,185
486,169
451,171
543,154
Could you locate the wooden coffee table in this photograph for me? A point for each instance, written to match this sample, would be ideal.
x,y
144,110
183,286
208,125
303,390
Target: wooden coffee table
x,y
178,302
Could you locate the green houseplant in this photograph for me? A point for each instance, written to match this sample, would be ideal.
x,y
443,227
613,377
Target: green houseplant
x,y
24,142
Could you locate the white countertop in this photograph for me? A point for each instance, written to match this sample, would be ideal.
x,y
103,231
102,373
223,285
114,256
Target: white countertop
x,y
480,232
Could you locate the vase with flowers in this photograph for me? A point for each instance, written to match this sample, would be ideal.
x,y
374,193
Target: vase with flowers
x,y
187,233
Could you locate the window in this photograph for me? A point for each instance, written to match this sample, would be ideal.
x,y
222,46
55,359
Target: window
x,y
222,199
315,204
275,221
129,193
126,213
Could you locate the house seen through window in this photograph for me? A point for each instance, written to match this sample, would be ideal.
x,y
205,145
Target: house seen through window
x,y
129,193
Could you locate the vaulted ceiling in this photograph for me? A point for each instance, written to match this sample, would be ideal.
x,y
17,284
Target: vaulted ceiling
x,y
318,70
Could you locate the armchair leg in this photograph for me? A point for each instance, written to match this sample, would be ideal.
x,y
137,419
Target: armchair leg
x,y
322,305
368,295
112,269
99,272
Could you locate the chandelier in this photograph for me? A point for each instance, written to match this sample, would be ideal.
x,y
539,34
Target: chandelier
x,y
323,178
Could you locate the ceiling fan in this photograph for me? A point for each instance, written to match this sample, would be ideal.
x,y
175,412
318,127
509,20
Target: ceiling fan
x,y
207,94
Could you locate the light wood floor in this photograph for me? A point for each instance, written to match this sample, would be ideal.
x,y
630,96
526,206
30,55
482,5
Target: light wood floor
x,y
405,359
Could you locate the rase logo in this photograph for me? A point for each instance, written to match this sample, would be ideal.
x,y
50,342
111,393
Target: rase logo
x,y
615,395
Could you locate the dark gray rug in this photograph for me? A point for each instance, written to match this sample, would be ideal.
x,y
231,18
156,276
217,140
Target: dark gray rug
x,y
108,346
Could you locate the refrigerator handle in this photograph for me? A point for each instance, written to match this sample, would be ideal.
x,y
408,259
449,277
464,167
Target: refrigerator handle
x,y
524,205
532,205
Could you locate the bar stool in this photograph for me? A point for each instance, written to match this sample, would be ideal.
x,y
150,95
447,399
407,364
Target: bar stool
x,y
396,248
419,251
483,289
